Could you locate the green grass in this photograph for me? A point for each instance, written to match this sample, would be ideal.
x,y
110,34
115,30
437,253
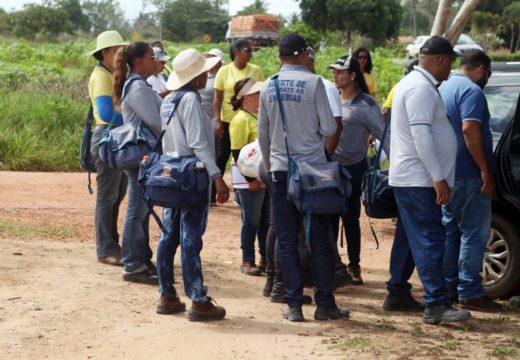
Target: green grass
x,y
13,229
44,89
503,352
357,343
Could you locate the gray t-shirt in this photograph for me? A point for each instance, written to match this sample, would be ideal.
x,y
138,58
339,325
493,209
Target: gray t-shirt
x,y
143,103
360,117
207,94
190,132
309,118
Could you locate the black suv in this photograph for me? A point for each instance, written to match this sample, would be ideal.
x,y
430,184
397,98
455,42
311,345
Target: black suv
x,y
501,270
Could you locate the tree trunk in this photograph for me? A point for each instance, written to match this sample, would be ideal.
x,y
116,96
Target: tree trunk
x,y
517,40
441,18
512,38
461,19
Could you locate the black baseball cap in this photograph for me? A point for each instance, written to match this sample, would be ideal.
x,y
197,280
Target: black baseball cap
x,y
437,45
292,44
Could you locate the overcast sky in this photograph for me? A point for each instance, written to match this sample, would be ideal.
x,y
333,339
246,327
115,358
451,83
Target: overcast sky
x,y
133,7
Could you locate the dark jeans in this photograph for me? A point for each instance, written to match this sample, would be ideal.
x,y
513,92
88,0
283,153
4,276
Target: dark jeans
x,y
422,223
255,222
351,215
401,264
110,191
288,224
185,227
136,238
223,151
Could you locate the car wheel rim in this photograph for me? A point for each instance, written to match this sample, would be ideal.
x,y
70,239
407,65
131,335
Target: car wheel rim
x,y
496,259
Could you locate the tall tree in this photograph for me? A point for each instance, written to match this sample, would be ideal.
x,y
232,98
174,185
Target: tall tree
x,y
461,20
73,8
441,18
104,15
512,18
257,7
38,19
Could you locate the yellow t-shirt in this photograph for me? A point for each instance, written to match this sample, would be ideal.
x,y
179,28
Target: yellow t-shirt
x,y
389,98
371,83
243,129
99,84
225,81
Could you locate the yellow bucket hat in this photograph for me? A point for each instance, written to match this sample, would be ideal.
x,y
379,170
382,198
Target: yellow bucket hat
x,y
107,39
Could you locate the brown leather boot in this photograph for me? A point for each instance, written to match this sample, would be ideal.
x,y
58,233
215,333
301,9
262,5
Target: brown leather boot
x,y
169,304
206,311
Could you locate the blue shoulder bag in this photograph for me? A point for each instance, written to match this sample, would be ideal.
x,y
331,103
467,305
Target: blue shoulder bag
x,y
123,147
172,182
313,188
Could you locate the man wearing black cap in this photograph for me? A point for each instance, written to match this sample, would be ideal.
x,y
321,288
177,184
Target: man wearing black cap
x,y
422,170
309,121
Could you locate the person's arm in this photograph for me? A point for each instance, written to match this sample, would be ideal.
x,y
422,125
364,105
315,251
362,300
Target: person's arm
x,y
264,140
218,99
106,110
326,120
164,93
376,125
332,141
473,110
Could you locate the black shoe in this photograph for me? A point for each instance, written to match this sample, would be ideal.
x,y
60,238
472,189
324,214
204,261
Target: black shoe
x,y
142,277
482,303
331,313
355,273
435,314
293,314
268,287
342,280
151,266
402,303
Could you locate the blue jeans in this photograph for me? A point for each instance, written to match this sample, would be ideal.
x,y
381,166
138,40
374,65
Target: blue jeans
x,y
255,222
136,239
422,222
110,191
185,227
401,264
467,220
288,224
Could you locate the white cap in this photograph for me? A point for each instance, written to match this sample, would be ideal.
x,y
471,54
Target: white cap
x,y
215,53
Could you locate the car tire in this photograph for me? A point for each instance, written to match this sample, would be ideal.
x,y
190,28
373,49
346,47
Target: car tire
x,y
502,257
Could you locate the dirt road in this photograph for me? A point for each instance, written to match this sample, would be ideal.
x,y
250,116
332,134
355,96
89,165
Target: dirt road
x,y
58,302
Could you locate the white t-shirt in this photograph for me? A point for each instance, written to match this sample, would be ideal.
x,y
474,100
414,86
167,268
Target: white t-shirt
x,y
417,101
334,97
157,82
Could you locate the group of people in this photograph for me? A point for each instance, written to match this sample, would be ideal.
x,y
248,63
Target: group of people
x,y
215,109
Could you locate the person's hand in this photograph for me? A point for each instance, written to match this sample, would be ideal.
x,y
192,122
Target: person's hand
x,y
443,192
219,129
371,139
222,190
255,185
488,188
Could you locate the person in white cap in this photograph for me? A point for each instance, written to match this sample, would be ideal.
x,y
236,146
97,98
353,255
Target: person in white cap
x,y
208,93
189,133
158,79
133,65
110,184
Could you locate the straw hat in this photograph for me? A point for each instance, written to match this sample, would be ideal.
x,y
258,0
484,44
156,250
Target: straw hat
x,y
187,65
107,39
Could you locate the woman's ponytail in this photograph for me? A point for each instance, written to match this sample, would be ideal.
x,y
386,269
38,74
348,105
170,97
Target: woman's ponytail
x,y
120,73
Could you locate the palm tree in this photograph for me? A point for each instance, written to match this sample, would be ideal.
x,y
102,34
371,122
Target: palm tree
x,y
441,18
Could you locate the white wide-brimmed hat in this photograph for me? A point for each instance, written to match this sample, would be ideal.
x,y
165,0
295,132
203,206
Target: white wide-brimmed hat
x,y
107,39
187,65
250,87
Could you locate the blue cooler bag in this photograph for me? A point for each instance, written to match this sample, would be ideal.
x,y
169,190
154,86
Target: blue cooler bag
x,y
173,182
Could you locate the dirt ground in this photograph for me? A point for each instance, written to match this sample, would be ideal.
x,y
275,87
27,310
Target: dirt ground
x,y
58,302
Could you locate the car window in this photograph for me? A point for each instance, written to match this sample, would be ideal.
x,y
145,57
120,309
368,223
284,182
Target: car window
x,y
502,105
464,40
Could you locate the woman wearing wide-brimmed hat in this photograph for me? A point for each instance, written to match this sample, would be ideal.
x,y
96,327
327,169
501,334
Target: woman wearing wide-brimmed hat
x,y
110,184
189,133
